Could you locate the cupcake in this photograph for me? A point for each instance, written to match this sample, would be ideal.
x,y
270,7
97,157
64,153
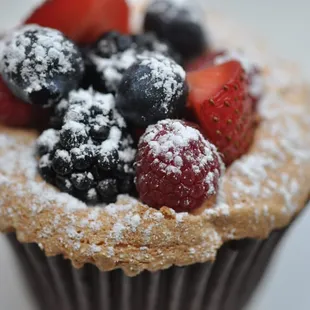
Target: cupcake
x,y
147,171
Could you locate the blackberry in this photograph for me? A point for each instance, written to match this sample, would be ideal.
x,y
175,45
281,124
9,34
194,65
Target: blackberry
x,y
114,53
91,154
40,65
180,23
154,88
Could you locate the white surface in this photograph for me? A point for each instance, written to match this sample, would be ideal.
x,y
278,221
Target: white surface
x,y
285,25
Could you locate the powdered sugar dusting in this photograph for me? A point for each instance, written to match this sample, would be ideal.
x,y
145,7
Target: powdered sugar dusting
x,y
113,68
177,137
37,54
165,75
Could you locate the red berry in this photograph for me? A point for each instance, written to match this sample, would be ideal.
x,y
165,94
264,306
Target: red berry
x,y
83,20
13,111
253,71
176,166
219,96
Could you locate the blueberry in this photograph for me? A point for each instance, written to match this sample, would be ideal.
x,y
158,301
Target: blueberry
x,y
62,163
107,189
154,88
178,24
82,181
40,65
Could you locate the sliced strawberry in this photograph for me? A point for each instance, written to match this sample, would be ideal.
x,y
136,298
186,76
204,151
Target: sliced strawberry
x,y
83,20
255,79
16,113
219,97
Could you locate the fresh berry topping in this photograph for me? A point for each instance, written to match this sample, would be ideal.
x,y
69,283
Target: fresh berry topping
x,y
91,167
252,69
84,20
154,88
219,96
114,53
40,65
14,112
180,24
256,89
177,167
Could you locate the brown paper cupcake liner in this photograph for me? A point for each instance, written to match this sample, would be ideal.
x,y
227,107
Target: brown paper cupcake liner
x,y
226,284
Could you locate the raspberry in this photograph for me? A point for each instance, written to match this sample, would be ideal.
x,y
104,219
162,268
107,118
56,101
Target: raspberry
x,y
176,166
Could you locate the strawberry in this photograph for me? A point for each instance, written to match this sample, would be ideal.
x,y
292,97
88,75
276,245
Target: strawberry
x,y
14,112
219,97
84,20
216,57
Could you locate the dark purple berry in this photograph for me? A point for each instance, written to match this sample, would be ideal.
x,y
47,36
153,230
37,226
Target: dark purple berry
x,y
64,184
82,181
154,88
107,189
114,53
73,135
107,160
40,65
82,157
100,133
86,150
45,168
62,163
180,24
47,141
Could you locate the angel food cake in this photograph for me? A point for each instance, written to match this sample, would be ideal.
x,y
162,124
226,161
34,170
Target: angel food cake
x,y
137,167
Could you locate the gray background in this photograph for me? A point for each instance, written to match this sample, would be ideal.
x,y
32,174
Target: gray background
x,y
285,24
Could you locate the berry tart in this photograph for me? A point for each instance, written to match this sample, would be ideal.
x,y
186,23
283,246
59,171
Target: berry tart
x,y
155,169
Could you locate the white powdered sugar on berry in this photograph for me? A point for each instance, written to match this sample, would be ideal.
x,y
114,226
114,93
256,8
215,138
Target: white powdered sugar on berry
x,y
49,52
166,75
178,165
113,68
49,138
177,136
